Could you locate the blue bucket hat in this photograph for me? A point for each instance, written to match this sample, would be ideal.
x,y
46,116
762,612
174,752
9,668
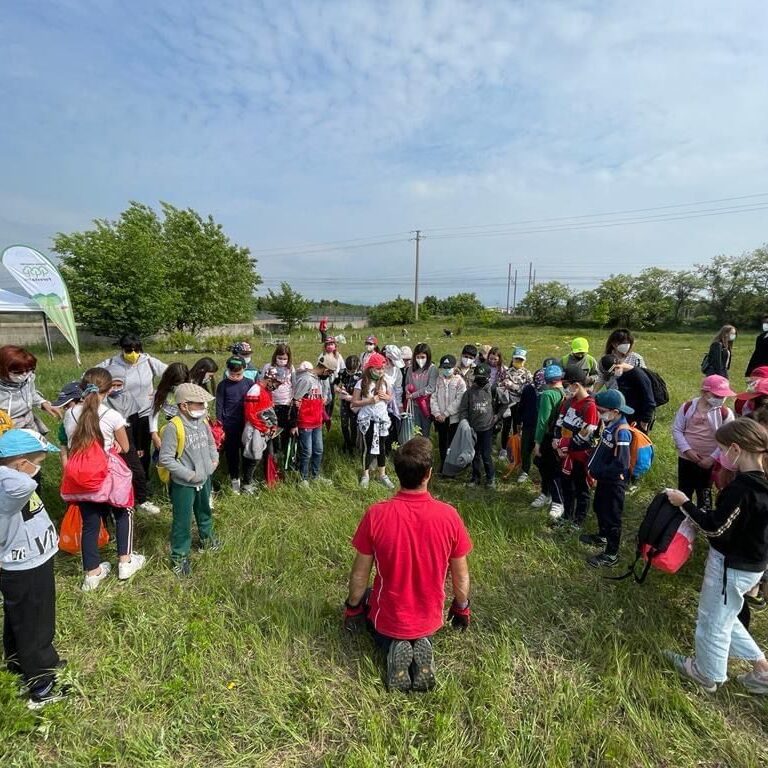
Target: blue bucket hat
x,y
613,400
19,442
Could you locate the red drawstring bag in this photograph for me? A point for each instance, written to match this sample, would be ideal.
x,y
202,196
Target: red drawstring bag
x,y
71,533
217,430
515,450
271,471
85,471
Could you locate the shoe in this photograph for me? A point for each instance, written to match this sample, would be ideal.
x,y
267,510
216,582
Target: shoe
x,y
491,485
523,478
503,455
92,582
756,603
423,665
542,500
399,660
593,540
556,511
182,568
249,489
126,570
149,508
324,481
602,560
210,502
365,481
304,484
386,482
686,667
211,544
235,484
632,490
756,682
48,694
471,484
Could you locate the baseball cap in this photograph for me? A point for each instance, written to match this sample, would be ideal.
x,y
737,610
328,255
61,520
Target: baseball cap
x,y
329,340
394,355
550,361
18,442
191,393
406,353
717,385
579,344
241,348
613,400
372,340
272,373
447,361
520,353
69,392
483,369
607,362
574,374
235,362
761,372
376,360
553,373
758,389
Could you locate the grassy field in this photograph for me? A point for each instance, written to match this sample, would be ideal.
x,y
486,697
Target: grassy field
x,y
245,663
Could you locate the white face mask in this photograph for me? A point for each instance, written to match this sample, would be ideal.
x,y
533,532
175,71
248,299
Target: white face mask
x,y
208,377
607,417
281,361
369,347
197,414
247,360
19,378
715,402
623,348
765,326
732,337
466,362
421,361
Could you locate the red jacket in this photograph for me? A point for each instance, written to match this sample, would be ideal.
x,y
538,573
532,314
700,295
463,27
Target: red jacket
x,y
258,404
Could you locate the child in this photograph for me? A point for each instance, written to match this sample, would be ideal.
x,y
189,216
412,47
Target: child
x,y
330,347
393,375
190,469
202,374
511,386
85,423
693,431
419,386
371,400
528,414
242,349
163,401
230,411
283,395
260,414
574,428
307,416
609,465
548,405
345,389
371,346
633,382
738,532
717,362
466,366
70,395
445,404
28,543
478,409
581,358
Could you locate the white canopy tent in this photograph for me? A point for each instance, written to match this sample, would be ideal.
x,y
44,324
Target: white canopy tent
x,y
14,304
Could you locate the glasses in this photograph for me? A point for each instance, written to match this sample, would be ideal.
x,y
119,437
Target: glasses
x,y
132,348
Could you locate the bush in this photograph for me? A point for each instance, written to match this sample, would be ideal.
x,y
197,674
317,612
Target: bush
x,y
220,343
180,341
397,312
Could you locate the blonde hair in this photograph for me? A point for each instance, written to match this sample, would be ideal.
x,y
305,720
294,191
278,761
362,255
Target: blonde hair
x,y
724,336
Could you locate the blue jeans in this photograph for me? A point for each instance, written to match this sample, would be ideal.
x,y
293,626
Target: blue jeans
x,y
310,449
719,634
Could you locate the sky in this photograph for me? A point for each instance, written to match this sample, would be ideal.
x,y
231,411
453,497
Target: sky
x,y
299,124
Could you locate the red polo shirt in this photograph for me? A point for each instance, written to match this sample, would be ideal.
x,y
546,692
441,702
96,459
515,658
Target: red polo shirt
x,y
412,538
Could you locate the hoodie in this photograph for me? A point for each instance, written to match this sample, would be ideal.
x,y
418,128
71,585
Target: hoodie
x,y
199,458
139,378
18,400
446,399
610,461
477,408
230,402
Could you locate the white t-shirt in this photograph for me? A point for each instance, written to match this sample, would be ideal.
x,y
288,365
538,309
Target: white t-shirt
x,y
109,421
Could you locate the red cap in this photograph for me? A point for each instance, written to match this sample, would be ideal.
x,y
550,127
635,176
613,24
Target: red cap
x,y
372,340
759,373
758,389
375,361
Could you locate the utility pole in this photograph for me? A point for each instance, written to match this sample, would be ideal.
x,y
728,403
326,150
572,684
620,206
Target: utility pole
x,y
534,278
530,275
514,295
418,239
509,280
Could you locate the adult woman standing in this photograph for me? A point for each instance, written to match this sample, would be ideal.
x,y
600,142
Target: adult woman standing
x,y
139,372
202,374
621,345
420,383
717,361
18,393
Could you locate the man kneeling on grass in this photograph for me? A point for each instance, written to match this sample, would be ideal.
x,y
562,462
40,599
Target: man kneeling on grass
x,y
414,540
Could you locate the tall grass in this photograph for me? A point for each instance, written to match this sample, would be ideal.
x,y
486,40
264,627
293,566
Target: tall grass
x,y
244,664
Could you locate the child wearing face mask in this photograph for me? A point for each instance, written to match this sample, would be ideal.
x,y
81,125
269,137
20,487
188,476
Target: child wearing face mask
x,y
420,383
580,357
230,411
243,349
282,359
191,461
445,403
693,431
203,373
351,374
330,347
371,346
516,379
28,543
18,391
467,362
609,465
760,354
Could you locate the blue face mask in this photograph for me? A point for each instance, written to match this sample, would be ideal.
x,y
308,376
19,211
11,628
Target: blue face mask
x,y
116,392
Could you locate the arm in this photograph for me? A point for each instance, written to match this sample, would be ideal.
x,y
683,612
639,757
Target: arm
x,y
431,384
464,406
359,577
717,521
678,430
212,449
455,405
645,412
158,366
121,438
168,458
220,400
542,418
154,431
460,579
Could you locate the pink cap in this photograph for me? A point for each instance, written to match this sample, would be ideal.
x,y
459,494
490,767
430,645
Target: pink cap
x,y
761,372
375,361
717,385
758,389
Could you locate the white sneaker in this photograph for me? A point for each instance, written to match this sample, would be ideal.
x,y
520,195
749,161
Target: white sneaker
x,y
235,486
365,481
149,508
542,500
92,582
249,489
126,570
304,484
556,511
386,482
523,477
503,455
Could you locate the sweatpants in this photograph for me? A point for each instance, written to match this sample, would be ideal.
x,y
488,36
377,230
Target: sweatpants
x,y
29,622
506,428
188,501
691,478
380,458
609,508
445,434
527,441
483,458
233,448
576,493
549,469
93,514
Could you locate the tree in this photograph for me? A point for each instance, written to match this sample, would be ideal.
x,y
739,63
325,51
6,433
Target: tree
x,y
685,285
545,303
396,312
289,305
466,304
727,281
431,304
615,293
141,273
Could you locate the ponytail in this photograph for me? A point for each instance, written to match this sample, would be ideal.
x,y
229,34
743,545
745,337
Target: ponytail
x,y
96,382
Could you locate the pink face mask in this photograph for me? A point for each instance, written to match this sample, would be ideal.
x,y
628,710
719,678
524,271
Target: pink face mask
x,y
726,463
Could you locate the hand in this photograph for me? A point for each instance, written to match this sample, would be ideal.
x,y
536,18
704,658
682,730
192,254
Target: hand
x,y
555,445
459,617
294,431
140,454
439,419
692,456
409,395
706,462
54,410
536,450
355,616
676,498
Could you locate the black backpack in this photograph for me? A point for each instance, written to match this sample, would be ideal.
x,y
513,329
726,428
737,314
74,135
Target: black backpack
x,y
659,387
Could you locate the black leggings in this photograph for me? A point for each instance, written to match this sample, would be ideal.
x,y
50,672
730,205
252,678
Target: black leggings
x,y
233,449
143,442
691,478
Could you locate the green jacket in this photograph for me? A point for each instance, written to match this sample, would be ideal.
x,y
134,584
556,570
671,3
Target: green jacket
x,y
549,402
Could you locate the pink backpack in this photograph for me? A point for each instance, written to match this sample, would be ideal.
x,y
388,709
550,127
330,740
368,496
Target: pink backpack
x,y
116,489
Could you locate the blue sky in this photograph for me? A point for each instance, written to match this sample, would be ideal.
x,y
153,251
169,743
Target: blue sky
x,y
309,122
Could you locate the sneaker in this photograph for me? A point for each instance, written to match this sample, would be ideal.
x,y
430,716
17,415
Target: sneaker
x,y
211,544
523,478
149,508
323,481
503,455
686,667
365,481
249,489
387,483
48,694
126,570
556,511
182,568
602,560
92,582
399,660
472,484
491,485
423,665
756,603
542,500
632,490
304,484
593,540
756,682
235,484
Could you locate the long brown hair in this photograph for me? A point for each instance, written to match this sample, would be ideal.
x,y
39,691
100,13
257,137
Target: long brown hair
x,y
367,380
96,382
724,336
282,350
748,434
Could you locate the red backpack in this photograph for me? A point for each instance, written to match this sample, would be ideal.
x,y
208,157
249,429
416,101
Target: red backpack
x,y
85,471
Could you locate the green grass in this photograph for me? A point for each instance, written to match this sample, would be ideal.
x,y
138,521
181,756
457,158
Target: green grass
x,y
245,664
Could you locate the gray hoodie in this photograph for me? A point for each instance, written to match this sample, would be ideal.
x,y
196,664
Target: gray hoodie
x,y
139,379
27,536
199,457
477,408
18,400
